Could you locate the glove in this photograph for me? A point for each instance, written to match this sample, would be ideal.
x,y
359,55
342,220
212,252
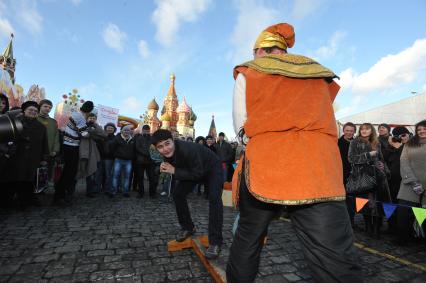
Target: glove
x,y
418,188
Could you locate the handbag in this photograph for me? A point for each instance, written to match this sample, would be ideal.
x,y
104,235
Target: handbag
x,y
362,179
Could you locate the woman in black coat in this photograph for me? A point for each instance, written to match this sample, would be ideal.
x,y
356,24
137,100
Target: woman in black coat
x,y
31,150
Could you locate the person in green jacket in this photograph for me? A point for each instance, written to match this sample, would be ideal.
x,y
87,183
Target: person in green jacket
x,y
45,106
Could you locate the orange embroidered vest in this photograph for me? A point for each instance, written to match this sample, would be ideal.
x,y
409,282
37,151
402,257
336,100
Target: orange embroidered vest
x,y
292,156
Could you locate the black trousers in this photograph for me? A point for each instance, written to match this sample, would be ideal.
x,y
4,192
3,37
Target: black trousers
x,y
215,184
323,229
140,170
66,184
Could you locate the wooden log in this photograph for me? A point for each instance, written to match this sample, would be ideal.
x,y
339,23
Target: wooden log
x,y
216,271
173,246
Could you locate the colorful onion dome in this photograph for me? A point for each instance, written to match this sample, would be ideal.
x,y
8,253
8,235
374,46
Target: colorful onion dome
x,y
153,105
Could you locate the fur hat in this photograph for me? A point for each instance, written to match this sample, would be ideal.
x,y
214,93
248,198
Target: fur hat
x,y
29,103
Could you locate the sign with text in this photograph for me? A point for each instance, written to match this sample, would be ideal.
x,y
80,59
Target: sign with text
x,y
107,114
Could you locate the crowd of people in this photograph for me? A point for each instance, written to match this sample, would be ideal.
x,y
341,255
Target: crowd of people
x,y
396,161
109,160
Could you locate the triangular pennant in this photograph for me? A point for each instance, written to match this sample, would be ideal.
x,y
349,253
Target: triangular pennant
x,y
360,202
389,209
420,214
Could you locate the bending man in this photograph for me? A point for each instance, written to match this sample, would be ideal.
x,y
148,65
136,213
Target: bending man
x,y
191,163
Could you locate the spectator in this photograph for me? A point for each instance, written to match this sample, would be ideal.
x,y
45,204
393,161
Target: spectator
x,y
108,159
31,151
75,129
226,155
392,156
384,133
4,103
52,134
123,148
201,140
413,173
365,149
210,143
144,163
90,158
344,141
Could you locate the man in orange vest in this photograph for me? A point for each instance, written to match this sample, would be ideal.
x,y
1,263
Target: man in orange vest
x,y
283,107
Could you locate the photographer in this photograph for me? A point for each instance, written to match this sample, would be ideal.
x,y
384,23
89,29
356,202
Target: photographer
x,y
31,151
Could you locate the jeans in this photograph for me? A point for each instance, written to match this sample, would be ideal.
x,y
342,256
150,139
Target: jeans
x,y
108,171
215,182
125,166
323,229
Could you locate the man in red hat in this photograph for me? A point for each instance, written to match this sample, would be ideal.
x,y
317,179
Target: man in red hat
x,y
285,101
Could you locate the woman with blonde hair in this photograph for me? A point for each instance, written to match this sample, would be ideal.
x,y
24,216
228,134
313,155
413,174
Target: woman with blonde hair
x,y
365,156
413,184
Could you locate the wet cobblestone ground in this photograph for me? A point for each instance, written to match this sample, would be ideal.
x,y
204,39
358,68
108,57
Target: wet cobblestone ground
x,y
125,240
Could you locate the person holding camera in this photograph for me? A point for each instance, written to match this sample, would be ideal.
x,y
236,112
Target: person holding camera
x,y
31,151
392,154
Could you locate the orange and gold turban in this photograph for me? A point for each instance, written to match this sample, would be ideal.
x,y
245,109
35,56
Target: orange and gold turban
x,y
279,35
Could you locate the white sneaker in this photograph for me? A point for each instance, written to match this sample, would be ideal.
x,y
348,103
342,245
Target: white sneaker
x,y
163,193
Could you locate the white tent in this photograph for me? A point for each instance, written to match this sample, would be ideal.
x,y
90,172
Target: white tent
x,y
405,112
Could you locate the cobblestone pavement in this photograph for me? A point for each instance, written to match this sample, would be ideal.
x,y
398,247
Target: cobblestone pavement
x,y
125,240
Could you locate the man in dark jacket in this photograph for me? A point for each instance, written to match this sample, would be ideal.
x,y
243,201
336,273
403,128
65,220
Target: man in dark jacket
x,y
123,148
226,155
344,141
144,162
108,157
190,163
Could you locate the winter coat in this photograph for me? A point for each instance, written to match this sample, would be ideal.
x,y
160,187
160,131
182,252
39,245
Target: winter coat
x,y
413,169
122,149
142,145
225,152
89,153
52,133
359,154
192,161
31,149
392,157
108,154
344,150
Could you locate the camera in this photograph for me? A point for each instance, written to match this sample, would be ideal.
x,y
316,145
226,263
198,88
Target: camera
x,y
11,126
397,139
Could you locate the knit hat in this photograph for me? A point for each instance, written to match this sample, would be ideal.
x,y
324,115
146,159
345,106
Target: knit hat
x,y
29,103
400,131
110,125
87,107
45,101
280,35
386,126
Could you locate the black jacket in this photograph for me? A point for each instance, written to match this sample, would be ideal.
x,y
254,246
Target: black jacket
x,y
142,145
344,150
392,157
192,161
122,149
108,153
225,152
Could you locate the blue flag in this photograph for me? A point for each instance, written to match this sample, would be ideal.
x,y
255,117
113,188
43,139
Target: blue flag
x,y
389,209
